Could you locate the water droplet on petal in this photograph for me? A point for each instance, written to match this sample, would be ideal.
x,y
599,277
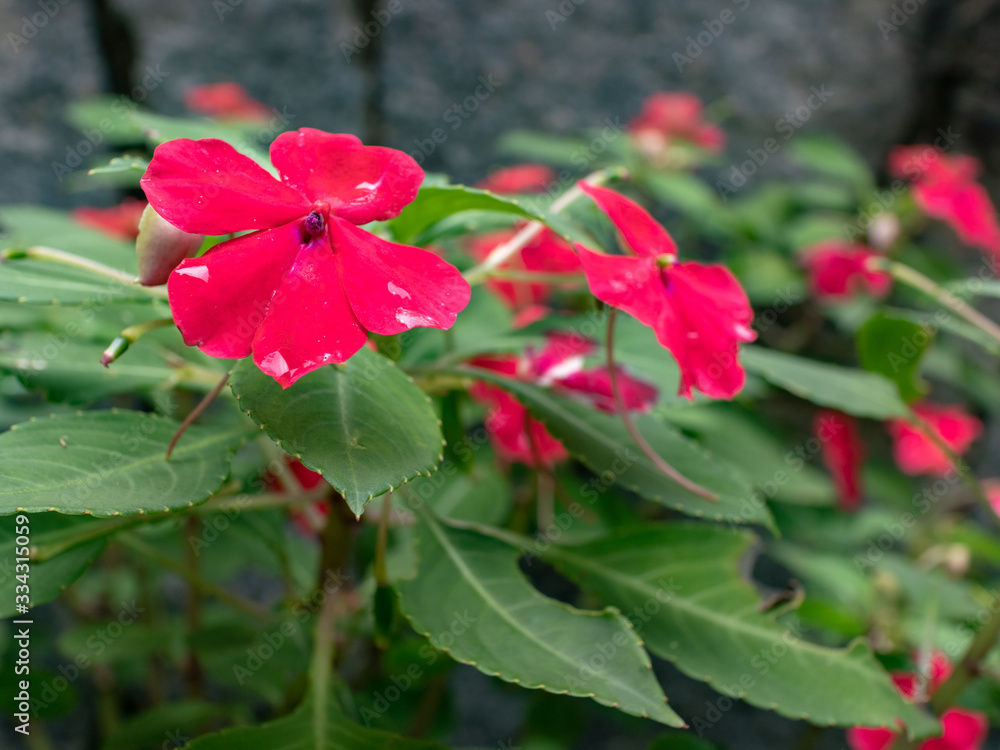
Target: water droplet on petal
x,y
398,291
198,272
274,364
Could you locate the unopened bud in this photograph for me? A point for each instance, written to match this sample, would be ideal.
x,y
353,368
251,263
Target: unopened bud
x,y
161,247
116,349
883,231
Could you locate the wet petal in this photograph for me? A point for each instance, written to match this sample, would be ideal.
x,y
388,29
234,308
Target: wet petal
x,y
393,288
208,187
309,323
706,316
220,299
643,234
630,284
361,183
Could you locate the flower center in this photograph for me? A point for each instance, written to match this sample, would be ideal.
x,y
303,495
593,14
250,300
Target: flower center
x,y
313,224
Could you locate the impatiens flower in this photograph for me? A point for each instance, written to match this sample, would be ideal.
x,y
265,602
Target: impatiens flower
x,y
838,271
699,312
558,365
992,489
120,222
917,453
961,729
843,455
546,253
522,178
225,101
666,116
945,188
304,289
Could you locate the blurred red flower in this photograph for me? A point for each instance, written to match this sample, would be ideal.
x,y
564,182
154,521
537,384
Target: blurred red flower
x,y
120,222
838,271
307,287
945,188
558,365
225,101
666,116
699,312
843,455
521,178
961,729
917,453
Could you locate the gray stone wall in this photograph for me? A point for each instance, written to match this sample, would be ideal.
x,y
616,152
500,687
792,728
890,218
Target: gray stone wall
x,y
443,78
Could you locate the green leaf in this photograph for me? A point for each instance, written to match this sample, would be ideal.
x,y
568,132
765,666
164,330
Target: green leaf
x,y
45,283
470,600
309,727
552,149
893,347
120,164
24,226
363,425
692,197
172,721
831,157
601,442
71,371
863,394
112,464
710,626
435,203
46,578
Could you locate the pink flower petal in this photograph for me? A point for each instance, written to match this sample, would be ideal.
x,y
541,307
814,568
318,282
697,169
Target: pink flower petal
x,y
393,288
120,222
361,183
917,453
521,178
560,347
221,298
508,423
963,730
838,271
309,323
966,207
225,100
643,234
630,284
843,455
863,738
706,316
208,187
595,386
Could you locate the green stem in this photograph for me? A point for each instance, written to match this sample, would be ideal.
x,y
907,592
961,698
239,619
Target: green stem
x,y
969,667
50,254
129,336
504,251
637,436
537,277
913,278
150,552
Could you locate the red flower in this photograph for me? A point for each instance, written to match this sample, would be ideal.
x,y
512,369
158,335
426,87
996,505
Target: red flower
x,y
120,222
304,290
667,115
961,729
700,313
522,178
225,101
916,453
843,455
992,489
945,188
838,271
546,253
559,365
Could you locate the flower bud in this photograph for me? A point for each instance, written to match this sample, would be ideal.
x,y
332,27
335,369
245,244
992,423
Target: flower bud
x,y
161,247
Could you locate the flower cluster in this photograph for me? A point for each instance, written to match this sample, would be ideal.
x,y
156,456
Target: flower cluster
x,y
670,116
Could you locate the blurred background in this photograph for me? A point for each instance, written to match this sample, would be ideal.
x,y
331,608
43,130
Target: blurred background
x,y
444,79
396,71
